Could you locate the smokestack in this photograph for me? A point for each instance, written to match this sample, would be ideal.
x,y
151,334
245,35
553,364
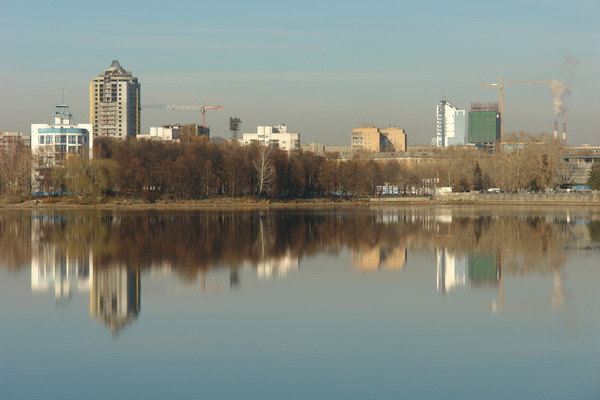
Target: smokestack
x,y
565,132
555,129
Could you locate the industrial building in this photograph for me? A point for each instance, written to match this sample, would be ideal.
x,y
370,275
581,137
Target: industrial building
x,y
273,136
451,124
115,103
369,138
173,132
322,148
484,123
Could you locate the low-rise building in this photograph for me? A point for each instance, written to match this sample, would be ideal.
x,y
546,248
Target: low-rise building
x,y
52,143
273,136
174,131
322,148
7,138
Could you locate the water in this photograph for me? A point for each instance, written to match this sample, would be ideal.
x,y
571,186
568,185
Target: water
x,y
451,303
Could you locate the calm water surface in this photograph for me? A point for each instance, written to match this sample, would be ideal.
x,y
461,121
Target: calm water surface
x,y
453,303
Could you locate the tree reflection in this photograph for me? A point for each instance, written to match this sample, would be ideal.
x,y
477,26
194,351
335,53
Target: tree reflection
x,y
273,241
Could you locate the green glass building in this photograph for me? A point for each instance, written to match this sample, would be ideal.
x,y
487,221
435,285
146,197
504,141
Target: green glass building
x,y
484,123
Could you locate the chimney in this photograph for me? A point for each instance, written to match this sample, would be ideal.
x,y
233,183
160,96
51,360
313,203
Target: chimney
x,y
564,132
555,129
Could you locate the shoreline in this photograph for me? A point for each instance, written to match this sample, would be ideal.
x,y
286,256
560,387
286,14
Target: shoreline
x,y
308,203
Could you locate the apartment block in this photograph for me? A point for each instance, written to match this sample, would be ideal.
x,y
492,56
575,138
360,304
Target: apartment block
x,y
8,138
115,103
369,138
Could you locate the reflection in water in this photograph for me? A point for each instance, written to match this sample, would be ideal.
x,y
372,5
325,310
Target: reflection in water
x,y
115,297
53,271
478,269
105,251
114,290
55,268
280,266
372,259
451,270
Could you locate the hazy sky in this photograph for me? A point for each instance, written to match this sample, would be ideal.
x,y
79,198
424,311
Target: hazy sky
x,y
321,67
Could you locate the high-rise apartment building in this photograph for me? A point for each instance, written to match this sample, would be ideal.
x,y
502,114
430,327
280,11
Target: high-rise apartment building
x,y
115,103
451,125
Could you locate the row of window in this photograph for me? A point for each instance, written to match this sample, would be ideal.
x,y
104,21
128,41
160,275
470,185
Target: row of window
x,y
72,139
61,148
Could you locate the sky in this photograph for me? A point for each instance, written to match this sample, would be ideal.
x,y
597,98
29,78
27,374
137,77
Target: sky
x,y
320,67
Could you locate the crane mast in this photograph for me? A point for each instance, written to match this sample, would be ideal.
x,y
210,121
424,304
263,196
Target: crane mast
x,y
500,87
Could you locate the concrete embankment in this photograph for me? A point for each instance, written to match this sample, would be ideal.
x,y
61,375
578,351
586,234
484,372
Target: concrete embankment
x,y
585,198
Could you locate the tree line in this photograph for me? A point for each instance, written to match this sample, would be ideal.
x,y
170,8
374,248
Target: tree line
x,y
196,168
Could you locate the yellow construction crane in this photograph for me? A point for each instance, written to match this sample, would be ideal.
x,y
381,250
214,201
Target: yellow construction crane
x,y
500,87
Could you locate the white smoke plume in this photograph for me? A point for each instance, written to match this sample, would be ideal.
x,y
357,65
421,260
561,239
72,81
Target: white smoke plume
x,y
560,90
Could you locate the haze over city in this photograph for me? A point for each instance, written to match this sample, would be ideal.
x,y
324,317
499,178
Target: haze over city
x,y
322,68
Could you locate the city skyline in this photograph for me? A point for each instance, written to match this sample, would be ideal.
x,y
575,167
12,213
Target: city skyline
x,y
322,69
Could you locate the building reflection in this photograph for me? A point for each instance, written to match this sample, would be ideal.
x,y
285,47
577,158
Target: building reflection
x,y
454,270
53,271
115,297
268,268
379,257
56,268
105,251
451,270
64,268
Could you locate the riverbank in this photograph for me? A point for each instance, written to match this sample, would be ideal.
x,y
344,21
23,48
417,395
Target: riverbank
x,y
530,199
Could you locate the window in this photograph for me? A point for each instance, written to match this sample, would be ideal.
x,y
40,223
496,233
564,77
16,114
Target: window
x,y
63,138
72,139
49,139
41,139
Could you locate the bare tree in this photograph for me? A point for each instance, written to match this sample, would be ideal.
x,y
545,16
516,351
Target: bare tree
x,y
15,170
264,170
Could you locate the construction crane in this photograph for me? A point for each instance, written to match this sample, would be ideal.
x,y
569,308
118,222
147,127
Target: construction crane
x,y
500,87
185,107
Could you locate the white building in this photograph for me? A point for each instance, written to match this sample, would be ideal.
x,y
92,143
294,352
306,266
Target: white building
x,y
165,132
172,132
451,125
273,136
52,143
115,103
